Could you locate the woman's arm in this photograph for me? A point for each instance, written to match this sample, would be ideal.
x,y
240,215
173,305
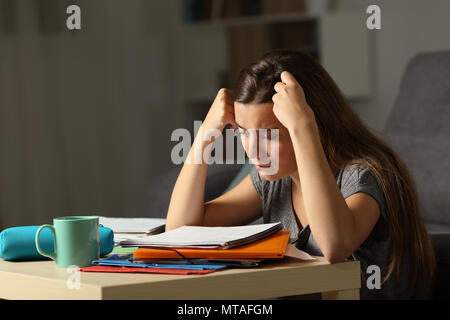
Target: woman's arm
x,y
186,203
338,229
240,205
339,225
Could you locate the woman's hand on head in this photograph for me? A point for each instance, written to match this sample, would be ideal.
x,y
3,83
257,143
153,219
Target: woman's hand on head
x,y
221,112
289,103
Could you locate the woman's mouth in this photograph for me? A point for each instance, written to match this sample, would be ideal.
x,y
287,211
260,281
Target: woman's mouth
x,y
260,167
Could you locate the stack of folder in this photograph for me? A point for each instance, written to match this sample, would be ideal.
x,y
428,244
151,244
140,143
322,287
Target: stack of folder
x,y
199,250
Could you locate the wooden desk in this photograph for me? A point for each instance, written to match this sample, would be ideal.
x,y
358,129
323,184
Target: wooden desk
x,y
43,280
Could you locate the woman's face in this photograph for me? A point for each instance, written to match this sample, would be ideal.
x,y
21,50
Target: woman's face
x,y
274,152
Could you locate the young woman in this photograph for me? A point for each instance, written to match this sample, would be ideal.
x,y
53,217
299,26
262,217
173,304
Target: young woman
x,y
340,189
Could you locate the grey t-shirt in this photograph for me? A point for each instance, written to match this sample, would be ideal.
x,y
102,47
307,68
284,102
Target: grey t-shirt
x,y
376,249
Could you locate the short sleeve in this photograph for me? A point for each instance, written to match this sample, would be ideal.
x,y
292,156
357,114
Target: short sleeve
x,y
257,182
360,179
262,186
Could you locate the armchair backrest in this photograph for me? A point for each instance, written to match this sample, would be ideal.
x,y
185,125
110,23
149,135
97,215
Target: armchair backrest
x,y
418,129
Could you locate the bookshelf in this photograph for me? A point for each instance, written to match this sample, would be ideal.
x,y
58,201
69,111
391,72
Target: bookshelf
x,y
249,20
207,10
237,32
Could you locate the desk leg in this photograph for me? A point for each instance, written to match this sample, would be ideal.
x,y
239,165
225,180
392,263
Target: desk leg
x,y
352,294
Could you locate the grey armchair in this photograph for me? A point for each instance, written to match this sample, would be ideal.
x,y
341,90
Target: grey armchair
x,y
418,128
218,178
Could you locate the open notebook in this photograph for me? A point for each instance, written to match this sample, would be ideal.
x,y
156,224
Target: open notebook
x,y
129,228
206,237
134,225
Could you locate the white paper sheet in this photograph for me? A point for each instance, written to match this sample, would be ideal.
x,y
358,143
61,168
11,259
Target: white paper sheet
x,y
294,252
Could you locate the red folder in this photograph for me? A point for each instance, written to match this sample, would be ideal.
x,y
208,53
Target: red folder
x,y
143,270
273,246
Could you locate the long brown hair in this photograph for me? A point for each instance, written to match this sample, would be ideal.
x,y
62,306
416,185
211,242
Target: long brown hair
x,y
346,140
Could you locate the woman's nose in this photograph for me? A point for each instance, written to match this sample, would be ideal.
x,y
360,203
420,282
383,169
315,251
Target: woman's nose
x,y
252,146
257,150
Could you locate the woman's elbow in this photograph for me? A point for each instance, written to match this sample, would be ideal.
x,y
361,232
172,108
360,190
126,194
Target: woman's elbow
x,y
174,225
171,224
332,257
335,255
169,227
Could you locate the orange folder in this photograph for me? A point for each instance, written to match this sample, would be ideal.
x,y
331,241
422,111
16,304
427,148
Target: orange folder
x,y
273,246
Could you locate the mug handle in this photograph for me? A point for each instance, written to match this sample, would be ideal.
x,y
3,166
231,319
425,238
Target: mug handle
x,y
38,247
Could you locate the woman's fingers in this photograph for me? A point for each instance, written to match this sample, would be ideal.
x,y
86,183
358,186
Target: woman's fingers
x,y
227,96
228,106
288,79
275,98
230,94
221,111
279,86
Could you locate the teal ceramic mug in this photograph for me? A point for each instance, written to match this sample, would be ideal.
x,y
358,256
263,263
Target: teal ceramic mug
x,y
76,241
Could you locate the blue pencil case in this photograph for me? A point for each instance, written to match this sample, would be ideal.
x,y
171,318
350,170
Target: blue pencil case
x,y
17,243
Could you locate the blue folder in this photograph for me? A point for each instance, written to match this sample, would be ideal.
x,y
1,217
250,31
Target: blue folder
x,y
122,261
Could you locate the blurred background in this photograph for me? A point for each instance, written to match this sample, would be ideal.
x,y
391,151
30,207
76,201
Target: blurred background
x,y
86,115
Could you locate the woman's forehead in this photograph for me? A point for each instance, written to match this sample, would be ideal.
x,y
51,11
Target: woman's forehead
x,y
254,116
